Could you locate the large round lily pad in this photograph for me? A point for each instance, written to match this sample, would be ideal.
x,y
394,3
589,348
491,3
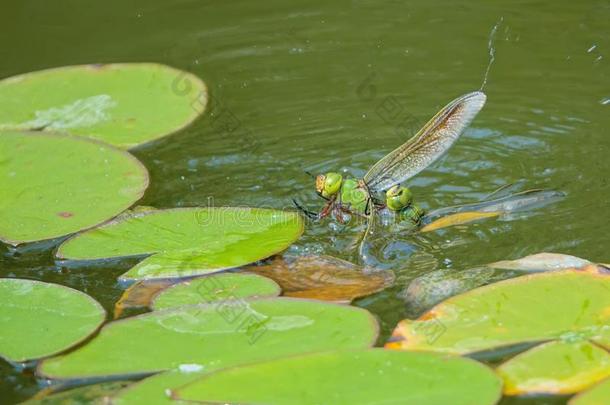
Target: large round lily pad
x,y
40,319
560,305
363,377
556,367
122,104
188,241
216,288
53,185
214,336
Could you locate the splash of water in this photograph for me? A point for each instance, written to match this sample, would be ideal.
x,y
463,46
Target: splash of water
x,y
492,51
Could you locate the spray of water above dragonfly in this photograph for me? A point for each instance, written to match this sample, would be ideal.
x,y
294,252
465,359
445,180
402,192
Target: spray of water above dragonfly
x,y
382,186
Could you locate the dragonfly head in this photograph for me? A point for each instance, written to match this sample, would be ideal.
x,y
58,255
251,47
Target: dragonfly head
x,y
328,184
398,198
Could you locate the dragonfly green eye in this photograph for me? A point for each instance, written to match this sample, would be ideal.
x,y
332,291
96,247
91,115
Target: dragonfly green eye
x,y
329,184
397,198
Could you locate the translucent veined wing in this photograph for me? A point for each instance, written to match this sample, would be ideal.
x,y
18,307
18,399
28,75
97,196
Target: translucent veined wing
x,y
429,144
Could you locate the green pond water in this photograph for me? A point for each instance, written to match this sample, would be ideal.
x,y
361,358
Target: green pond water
x,y
335,85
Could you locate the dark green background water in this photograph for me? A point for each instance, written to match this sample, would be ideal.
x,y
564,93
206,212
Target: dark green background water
x,y
306,83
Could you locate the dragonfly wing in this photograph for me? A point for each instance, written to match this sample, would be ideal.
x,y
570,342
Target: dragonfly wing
x,y
429,144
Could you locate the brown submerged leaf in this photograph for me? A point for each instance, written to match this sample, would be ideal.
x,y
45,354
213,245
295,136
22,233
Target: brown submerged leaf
x,y
323,278
140,294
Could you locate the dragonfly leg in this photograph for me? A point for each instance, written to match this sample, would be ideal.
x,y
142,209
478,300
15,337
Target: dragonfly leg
x,y
337,210
328,208
306,212
348,210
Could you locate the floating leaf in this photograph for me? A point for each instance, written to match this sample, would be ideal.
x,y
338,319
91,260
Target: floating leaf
x,y
43,198
556,367
598,395
187,241
90,394
542,306
323,278
360,377
457,219
140,294
220,287
157,388
40,319
215,336
122,104
542,262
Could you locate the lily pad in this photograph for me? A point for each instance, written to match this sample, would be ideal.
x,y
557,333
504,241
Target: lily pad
x,y
54,185
558,305
121,104
186,242
360,377
556,367
323,277
598,395
157,388
220,287
213,336
40,319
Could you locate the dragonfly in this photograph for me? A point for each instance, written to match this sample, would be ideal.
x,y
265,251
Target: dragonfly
x,y
382,186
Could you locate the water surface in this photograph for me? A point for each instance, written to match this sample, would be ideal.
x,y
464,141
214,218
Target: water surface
x,y
319,86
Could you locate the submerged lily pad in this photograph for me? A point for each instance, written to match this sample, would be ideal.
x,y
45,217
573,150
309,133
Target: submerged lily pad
x,y
215,336
54,185
323,277
598,395
140,294
533,308
220,287
433,287
122,104
556,367
360,377
542,262
186,242
40,319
